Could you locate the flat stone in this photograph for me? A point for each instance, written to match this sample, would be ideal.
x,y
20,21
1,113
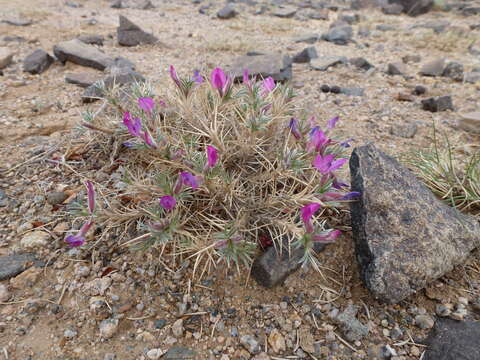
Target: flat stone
x,y
471,10
308,38
17,21
339,35
82,79
227,12
285,12
180,353
453,70
472,77
319,14
96,91
278,66
470,122
351,327
407,131
433,68
453,340
37,62
322,63
12,265
392,9
35,239
361,63
56,197
385,27
436,25
272,267
306,55
438,103
405,237
92,39
130,34
80,53
6,57
396,68
353,91
414,7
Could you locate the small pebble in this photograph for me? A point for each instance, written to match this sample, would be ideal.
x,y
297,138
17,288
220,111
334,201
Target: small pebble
x,y
424,321
325,88
419,90
335,89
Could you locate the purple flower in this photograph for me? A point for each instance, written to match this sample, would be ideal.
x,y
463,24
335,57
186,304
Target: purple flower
x,y
327,236
174,76
146,104
212,156
317,139
326,164
168,202
148,139
79,239
189,179
293,125
346,143
351,195
90,196
338,184
220,81
307,212
268,85
134,126
197,78
332,122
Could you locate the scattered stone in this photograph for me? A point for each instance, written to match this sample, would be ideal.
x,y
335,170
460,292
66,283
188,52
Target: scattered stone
x,y
261,356
453,340
306,55
334,89
392,9
69,334
108,328
351,327
474,49
97,286
322,63
278,66
414,7
407,131
129,34
404,97
35,239
339,35
454,71
309,39
154,354
320,14
56,197
160,324
325,88
361,63
92,39
424,321
363,31
471,10
4,294
433,68
73,4
411,59
83,79
227,12
17,21
470,122
426,238
272,268
80,53
285,12
385,27
396,68
12,265
177,328
251,344
438,103
307,343
98,89
110,356
37,62
180,353
276,341
443,310
355,91
6,57
472,77
436,25
350,19
120,66
419,90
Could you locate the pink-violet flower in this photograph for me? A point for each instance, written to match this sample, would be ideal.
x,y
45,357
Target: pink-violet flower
x,y
326,164
332,122
189,179
307,213
212,156
220,81
268,85
327,237
318,139
197,78
146,104
168,202
293,125
133,125
174,76
90,196
79,239
148,139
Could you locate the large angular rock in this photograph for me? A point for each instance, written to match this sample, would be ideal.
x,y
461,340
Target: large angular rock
x,y
414,7
37,62
273,267
82,79
278,66
438,103
322,63
129,34
80,53
404,236
339,35
433,68
453,340
12,265
306,55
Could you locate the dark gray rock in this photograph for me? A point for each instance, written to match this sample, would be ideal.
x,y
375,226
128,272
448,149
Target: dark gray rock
x,y
438,103
363,31
404,236
227,12
385,27
37,62
454,71
396,68
17,21
12,265
306,55
433,68
350,19
92,39
83,79
120,65
180,353
361,63
133,4
354,91
471,10
436,25
351,327
129,34
309,39
278,66
80,53
339,35
322,63
56,197
98,89
453,340
407,131
285,12
392,9
320,14
272,267
414,7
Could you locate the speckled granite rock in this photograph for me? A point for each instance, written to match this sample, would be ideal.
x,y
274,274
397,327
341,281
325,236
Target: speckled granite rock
x,y
404,236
